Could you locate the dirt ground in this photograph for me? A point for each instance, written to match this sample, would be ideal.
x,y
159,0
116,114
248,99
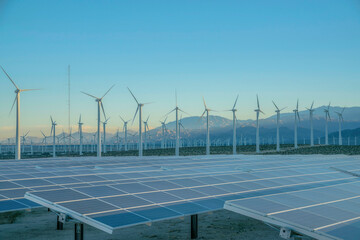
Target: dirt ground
x,y
40,224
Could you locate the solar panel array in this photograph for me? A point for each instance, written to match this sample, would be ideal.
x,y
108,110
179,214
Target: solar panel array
x,y
110,193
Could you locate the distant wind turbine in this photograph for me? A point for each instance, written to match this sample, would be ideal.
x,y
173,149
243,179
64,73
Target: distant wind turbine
x,y
177,140
53,128
146,128
80,136
278,126
341,119
125,133
163,128
233,110
311,111
297,118
104,129
100,105
327,118
207,110
23,137
17,100
258,111
139,109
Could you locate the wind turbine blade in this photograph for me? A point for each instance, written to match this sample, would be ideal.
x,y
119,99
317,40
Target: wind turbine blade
x,y
176,97
133,96
282,109
107,91
184,112
262,112
202,115
329,116
89,95
52,129
80,119
42,133
236,101
102,107
204,103
257,99
297,114
52,122
147,119
170,112
329,106
342,111
9,78
122,119
165,120
26,90
135,114
12,106
312,105
148,103
275,105
297,105
26,133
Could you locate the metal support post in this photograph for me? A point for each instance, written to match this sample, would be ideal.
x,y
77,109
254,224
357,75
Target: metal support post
x,y
194,226
79,231
59,225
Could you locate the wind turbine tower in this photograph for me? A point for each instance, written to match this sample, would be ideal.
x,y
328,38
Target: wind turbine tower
x,y
278,126
297,118
327,118
80,136
258,111
234,125
146,128
100,106
311,111
341,119
207,110
125,133
104,129
53,126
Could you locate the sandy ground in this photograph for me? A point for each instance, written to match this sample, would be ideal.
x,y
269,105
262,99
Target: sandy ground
x,y
225,225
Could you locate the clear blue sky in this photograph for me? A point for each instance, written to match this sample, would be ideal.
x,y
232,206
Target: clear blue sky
x,y
282,50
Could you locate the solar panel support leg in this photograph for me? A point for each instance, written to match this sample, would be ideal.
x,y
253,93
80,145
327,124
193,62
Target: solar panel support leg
x,y
194,226
59,225
79,231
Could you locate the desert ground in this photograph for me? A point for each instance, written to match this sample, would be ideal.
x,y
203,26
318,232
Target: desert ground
x,y
39,224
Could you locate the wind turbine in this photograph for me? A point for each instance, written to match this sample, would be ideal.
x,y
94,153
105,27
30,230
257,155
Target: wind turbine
x,y
17,100
80,136
100,105
327,118
177,137
139,109
23,137
234,125
44,140
207,110
181,125
311,111
125,132
341,119
146,128
278,126
258,111
104,129
297,117
53,126
163,128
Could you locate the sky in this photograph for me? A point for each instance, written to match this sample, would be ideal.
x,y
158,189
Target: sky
x,y
281,50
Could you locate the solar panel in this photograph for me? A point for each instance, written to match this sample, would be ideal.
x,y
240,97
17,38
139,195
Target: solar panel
x,y
102,192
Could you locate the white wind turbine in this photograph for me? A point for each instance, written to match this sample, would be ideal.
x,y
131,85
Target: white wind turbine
x,y
278,126
146,128
258,111
17,100
24,140
100,105
341,119
104,129
163,128
181,125
44,140
53,128
80,136
327,118
297,117
125,133
311,111
234,124
139,109
177,137
207,110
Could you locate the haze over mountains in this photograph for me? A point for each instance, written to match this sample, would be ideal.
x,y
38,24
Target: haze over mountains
x,y
221,127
